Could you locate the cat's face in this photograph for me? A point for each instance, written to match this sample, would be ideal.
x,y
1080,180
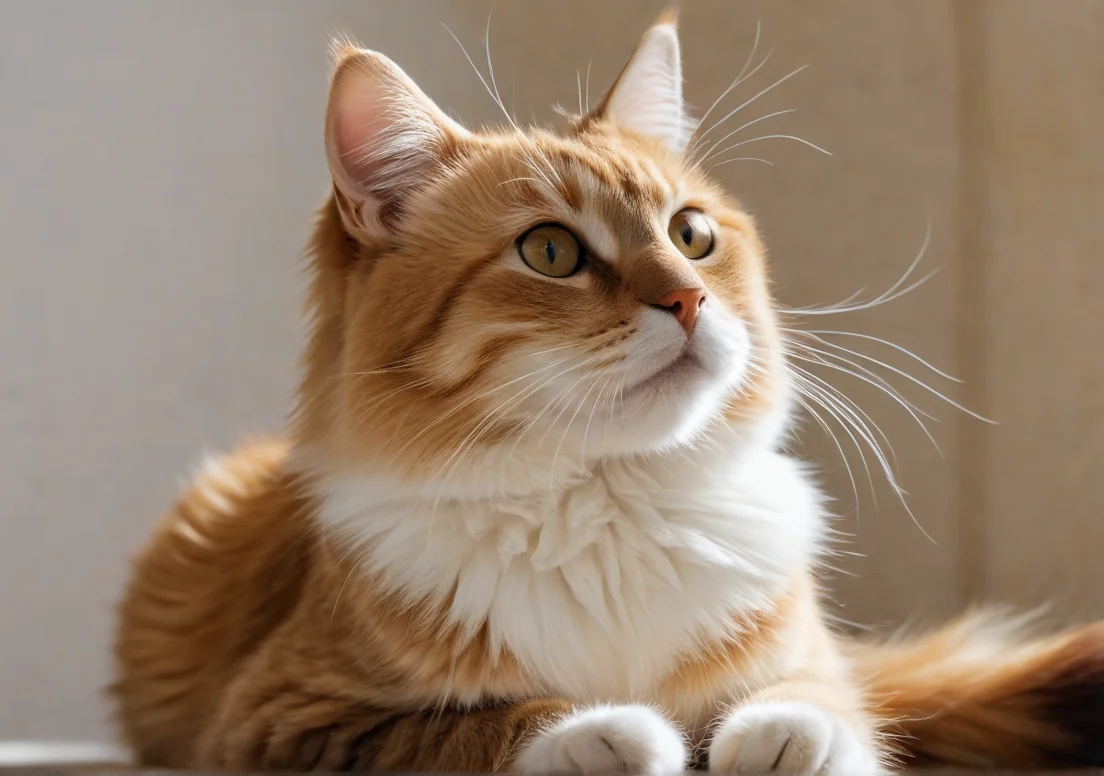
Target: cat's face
x,y
546,300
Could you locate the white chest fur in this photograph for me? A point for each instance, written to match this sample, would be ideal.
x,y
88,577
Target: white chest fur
x,y
599,587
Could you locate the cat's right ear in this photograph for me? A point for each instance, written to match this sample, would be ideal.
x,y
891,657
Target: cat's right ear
x,y
384,138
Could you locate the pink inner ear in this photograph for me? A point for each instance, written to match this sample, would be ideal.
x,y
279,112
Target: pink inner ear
x,y
359,125
384,137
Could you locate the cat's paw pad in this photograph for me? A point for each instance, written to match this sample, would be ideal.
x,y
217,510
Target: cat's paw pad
x,y
788,738
625,739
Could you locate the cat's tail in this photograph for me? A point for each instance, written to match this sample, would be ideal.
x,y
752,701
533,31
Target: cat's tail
x,y
983,692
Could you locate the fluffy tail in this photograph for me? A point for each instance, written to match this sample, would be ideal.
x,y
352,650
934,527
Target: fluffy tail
x,y
979,692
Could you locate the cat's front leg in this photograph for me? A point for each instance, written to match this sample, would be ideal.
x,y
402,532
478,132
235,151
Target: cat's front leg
x,y
607,739
795,729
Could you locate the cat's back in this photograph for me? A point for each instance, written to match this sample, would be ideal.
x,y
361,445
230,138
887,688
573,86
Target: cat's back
x,y
222,569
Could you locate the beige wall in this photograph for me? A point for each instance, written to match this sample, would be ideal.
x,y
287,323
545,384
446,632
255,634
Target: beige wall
x,y
159,165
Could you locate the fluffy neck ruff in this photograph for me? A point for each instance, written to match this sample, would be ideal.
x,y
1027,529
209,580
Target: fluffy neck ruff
x,y
662,553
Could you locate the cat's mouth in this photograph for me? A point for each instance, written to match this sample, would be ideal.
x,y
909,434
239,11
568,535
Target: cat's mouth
x,y
684,365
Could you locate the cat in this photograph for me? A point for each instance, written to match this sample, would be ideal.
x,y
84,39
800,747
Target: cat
x,y
531,513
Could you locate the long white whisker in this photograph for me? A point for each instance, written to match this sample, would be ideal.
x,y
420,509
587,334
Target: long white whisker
x,y
708,154
492,90
835,440
885,342
591,62
750,100
567,429
469,441
872,378
523,178
844,399
888,472
888,295
877,302
563,393
479,75
490,71
766,137
814,393
547,406
749,159
739,79
857,417
618,387
879,382
590,419
911,379
476,398
853,406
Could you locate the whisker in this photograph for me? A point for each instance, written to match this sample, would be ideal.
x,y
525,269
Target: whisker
x,y
567,429
750,100
876,302
493,92
523,178
767,137
817,394
556,420
887,471
803,400
590,419
872,378
913,380
709,151
739,79
843,398
591,62
476,398
887,343
746,159
479,74
364,409
469,441
618,387
490,70
889,295
879,382
548,406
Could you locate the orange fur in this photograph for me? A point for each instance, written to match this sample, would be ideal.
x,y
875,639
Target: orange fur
x,y
254,637
983,691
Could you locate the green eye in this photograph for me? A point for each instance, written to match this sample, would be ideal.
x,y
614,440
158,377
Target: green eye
x,y
691,233
551,250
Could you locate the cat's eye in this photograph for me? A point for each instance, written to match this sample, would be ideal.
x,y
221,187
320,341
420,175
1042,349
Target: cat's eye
x,y
691,233
551,250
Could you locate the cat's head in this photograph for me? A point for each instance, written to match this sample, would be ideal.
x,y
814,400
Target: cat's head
x,y
505,308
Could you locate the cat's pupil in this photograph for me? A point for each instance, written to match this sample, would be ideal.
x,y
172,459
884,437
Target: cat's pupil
x,y
687,234
550,251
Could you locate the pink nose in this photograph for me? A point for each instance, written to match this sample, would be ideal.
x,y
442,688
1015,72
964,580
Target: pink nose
x,y
684,305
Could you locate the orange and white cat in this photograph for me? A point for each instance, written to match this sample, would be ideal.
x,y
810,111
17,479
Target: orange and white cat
x,y
532,513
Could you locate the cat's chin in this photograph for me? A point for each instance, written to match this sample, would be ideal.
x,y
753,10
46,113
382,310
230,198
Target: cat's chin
x,y
677,402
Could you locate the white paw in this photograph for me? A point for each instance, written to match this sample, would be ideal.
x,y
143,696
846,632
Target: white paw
x,y
789,738
626,739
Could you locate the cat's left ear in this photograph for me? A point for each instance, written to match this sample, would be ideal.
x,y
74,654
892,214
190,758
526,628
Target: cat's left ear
x,y
385,139
646,98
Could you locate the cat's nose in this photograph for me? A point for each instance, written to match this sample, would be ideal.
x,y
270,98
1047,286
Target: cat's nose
x,y
684,304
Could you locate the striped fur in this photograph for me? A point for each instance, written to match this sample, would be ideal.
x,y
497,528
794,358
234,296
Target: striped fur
x,y
542,524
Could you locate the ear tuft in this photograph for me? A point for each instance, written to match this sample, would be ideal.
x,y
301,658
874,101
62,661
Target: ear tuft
x,y
647,98
384,138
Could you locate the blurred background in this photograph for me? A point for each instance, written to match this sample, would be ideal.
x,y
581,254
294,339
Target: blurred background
x,y
161,161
